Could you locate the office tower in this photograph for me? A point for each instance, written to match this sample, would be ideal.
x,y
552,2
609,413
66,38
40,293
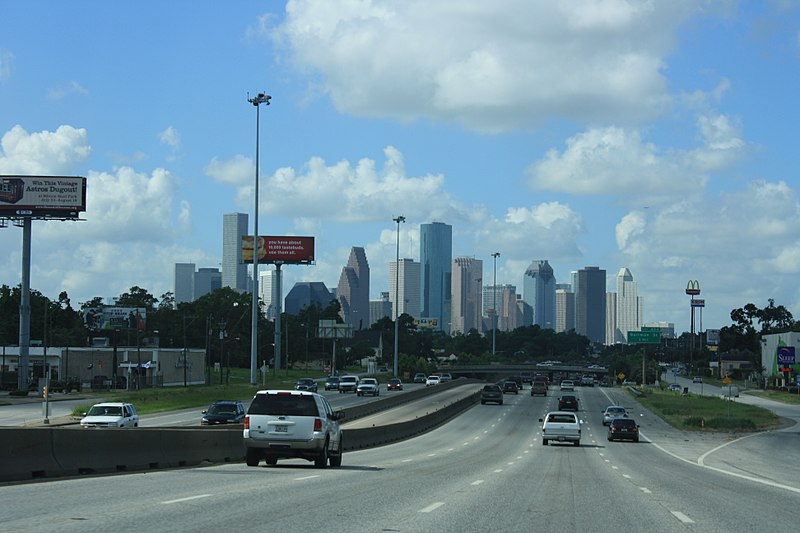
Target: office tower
x,y
234,270
206,281
526,312
539,291
629,307
565,308
435,258
353,290
590,303
509,315
268,292
380,308
467,277
611,317
305,294
184,283
408,288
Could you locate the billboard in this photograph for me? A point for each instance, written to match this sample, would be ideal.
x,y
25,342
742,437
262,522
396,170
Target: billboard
x,y
283,250
107,317
42,196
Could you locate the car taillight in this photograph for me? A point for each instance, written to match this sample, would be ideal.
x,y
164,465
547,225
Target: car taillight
x,y
247,422
317,424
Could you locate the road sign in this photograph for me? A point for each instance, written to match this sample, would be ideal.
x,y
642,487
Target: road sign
x,y
698,303
644,337
651,328
727,380
786,355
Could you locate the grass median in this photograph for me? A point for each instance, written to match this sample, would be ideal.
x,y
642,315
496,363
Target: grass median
x,y
706,413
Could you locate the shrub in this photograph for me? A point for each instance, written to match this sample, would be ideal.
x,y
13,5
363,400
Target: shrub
x,y
18,392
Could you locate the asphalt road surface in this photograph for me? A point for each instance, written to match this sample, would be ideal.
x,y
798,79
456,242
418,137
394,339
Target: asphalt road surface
x,y
486,470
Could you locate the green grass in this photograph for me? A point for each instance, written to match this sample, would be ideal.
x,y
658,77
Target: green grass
x,y
778,396
156,400
708,413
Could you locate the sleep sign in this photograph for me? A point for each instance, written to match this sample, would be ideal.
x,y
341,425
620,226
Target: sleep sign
x,y
786,356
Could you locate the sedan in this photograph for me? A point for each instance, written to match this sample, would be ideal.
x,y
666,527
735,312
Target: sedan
x,y
223,412
491,393
623,429
674,387
510,386
432,380
394,384
568,402
368,386
568,385
612,412
306,384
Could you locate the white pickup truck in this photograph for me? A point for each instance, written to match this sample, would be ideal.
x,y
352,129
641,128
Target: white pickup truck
x,y
561,426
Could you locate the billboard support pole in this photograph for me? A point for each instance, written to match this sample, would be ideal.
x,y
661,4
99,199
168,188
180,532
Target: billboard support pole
x,y
25,307
279,292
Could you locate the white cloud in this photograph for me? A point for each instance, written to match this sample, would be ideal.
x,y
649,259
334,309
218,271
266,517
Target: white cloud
x,y
236,171
57,153
72,87
631,225
6,62
491,67
170,137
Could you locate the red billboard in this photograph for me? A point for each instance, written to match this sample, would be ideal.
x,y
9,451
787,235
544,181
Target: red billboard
x,y
42,196
283,250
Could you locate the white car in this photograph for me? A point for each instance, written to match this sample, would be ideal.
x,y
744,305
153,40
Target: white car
x,y
445,378
368,386
612,412
432,380
568,385
111,415
562,427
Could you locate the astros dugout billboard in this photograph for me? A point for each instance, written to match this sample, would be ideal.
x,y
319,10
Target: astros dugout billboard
x,y
42,196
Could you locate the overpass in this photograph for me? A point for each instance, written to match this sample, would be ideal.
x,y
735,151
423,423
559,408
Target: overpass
x,y
497,371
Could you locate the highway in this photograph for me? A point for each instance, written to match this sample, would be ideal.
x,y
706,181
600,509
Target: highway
x,y
484,470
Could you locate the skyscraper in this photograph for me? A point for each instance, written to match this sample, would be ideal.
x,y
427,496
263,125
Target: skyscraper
x,y
629,307
466,291
234,270
206,280
539,291
565,308
353,290
436,257
380,308
590,304
268,292
408,288
184,283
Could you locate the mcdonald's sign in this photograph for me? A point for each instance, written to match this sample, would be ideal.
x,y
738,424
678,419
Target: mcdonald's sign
x,y
693,287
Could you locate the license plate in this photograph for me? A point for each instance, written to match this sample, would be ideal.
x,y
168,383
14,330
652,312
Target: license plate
x,y
281,429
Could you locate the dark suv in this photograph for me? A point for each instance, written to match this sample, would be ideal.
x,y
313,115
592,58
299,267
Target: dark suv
x,y
510,386
623,429
223,412
568,402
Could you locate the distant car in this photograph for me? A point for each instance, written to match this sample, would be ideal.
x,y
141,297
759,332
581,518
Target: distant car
x,y
306,384
332,383
111,415
623,429
432,380
368,387
567,385
444,378
568,402
348,384
697,379
383,369
394,384
612,412
674,387
517,380
491,394
527,377
419,377
223,412
510,386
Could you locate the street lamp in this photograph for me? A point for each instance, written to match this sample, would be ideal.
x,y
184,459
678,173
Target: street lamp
x,y
398,220
494,305
260,98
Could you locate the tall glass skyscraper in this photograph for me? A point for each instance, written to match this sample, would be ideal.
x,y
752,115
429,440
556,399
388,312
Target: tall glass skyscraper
x,y
404,284
436,259
629,307
590,304
466,290
353,290
539,291
234,270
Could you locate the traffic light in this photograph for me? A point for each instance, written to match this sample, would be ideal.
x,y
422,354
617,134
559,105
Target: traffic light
x,y
44,392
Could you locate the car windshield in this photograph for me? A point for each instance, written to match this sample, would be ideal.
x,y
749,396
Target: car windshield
x,y
307,381
222,409
615,410
369,381
105,410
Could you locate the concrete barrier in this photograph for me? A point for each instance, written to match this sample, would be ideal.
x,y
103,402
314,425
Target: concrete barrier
x,y
26,453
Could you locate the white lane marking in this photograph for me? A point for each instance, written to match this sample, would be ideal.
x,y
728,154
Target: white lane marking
x,y
682,517
476,438
465,443
511,463
615,467
702,458
450,449
626,476
306,477
406,460
431,455
498,470
519,457
477,482
188,498
431,507
645,490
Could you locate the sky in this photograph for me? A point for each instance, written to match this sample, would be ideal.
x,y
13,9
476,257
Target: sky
x,y
657,136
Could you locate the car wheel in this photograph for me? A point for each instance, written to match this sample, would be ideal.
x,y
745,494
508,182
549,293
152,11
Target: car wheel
x,y
544,442
251,457
609,439
636,439
271,461
322,459
336,460
483,403
577,443
501,403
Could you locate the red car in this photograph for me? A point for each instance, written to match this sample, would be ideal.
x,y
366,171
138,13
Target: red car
x,y
394,384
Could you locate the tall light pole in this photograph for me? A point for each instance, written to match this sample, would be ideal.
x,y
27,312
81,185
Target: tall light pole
x,y
494,304
260,98
398,220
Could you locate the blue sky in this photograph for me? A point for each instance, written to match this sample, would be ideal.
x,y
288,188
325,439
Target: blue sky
x,y
657,136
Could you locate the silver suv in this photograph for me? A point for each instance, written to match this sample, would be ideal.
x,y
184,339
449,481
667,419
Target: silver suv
x,y
282,424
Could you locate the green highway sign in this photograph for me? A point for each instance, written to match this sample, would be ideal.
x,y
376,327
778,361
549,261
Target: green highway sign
x,y
644,337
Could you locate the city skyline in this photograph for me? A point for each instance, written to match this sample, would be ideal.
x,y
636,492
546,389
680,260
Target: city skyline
x,y
646,135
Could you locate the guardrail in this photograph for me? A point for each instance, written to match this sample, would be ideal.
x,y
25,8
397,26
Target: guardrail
x,y
51,452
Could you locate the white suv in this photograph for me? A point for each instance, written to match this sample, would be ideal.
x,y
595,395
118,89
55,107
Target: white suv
x,y
111,415
282,424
